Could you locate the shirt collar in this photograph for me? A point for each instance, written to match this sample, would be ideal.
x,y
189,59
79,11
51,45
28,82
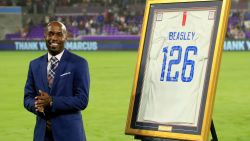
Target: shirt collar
x,y
58,56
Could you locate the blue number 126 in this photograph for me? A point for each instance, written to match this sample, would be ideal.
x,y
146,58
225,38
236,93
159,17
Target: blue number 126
x,y
187,62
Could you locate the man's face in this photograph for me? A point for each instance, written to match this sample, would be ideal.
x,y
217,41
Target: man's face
x,y
55,36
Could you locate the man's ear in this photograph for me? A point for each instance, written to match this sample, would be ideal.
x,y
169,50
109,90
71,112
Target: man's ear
x,y
45,34
66,36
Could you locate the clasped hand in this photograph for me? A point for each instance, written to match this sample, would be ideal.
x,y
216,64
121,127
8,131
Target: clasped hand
x,y
42,101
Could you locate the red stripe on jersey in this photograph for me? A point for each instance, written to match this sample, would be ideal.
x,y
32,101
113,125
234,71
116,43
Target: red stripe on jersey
x,y
184,18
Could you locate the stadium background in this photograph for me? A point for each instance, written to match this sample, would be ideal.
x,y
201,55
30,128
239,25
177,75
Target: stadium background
x,y
113,26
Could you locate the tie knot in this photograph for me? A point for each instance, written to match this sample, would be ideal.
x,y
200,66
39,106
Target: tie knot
x,y
53,59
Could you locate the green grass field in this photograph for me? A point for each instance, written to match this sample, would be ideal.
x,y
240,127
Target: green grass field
x,y
111,83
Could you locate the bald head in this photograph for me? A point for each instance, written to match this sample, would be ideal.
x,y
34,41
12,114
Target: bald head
x,y
55,36
58,24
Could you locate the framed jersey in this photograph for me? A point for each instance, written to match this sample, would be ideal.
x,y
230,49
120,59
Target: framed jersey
x,y
177,68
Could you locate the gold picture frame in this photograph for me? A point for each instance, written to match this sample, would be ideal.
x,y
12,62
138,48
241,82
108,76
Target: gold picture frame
x,y
165,20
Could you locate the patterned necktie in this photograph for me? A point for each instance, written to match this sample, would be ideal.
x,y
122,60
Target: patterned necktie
x,y
51,74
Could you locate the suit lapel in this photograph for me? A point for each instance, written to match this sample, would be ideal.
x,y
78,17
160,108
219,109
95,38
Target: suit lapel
x,y
44,65
60,69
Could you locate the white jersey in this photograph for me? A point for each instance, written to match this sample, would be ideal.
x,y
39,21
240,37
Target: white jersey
x,y
176,66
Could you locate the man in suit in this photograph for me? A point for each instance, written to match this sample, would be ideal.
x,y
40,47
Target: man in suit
x,y
57,89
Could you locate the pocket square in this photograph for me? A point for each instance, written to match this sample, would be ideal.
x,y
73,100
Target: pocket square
x,y
65,73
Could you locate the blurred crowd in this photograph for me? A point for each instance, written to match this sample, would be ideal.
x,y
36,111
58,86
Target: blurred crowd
x,y
108,17
106,23
47,6
115,17
239,25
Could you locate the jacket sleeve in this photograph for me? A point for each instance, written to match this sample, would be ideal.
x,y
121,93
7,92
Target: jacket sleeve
x,y
30,92
79,100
